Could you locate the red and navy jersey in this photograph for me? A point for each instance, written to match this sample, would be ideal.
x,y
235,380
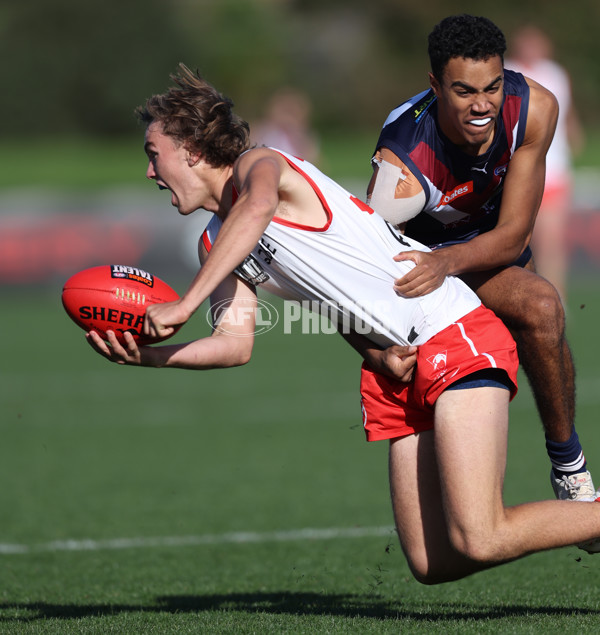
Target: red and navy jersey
x,y
463,192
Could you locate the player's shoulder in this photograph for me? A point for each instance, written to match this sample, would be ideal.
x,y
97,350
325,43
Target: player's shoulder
x,y
410,123
259,158
253,155
527,100
540,98
515,83
411,111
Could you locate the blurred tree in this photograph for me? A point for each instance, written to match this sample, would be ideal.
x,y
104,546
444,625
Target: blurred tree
x,y
244,48
77,67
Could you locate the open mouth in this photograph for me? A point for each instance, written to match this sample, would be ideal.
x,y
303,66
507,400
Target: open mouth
x,y
174,201
481,122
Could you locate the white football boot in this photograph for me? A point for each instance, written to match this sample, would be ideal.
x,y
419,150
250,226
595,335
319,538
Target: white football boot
x,y
577,487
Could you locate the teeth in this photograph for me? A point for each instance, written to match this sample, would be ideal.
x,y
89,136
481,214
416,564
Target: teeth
x,y
481,122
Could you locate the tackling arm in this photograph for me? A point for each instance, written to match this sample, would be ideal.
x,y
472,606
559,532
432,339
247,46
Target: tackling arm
x,y
521,197
395,361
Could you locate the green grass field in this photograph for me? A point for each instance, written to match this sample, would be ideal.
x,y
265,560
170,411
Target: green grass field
x,y
242,500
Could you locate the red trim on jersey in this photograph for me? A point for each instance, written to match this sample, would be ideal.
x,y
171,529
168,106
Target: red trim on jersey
x,y
362,205
206,240
510,114
318,192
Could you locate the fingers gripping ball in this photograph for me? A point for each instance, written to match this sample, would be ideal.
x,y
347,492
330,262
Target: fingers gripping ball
x,y
115,298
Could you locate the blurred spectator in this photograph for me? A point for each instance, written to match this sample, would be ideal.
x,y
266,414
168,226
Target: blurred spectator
x,y
287,125
532,55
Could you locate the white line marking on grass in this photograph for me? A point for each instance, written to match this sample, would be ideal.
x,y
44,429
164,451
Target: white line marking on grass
x,y
242,537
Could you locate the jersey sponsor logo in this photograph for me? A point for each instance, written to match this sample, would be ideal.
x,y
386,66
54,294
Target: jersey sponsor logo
x,y
131,273
457,192
501,170
251,271
483,169
423,106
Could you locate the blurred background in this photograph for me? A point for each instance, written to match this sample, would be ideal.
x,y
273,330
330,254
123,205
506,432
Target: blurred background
x,y
95,451
72,187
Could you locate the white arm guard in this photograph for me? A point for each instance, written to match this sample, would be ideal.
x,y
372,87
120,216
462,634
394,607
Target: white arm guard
x,y
383,197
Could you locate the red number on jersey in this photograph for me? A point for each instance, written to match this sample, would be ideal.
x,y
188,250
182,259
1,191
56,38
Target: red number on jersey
x,y
361,205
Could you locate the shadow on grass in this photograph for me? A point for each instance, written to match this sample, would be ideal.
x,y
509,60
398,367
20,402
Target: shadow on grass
x,y
284,603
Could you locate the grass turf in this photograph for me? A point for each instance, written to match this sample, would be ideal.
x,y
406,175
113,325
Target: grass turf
x,y
98,452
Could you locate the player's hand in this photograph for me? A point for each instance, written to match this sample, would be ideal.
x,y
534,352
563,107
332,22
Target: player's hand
x,y
429,273
161,320
395,361
114,351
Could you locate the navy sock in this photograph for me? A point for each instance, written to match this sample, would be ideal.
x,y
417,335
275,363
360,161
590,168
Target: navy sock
x,y
566,458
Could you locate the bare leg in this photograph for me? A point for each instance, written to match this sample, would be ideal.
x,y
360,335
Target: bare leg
x,y
532,310
419,513
447,494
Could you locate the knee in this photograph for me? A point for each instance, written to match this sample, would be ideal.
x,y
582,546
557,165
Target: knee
x,y
426,573
541,313
430,570
476,546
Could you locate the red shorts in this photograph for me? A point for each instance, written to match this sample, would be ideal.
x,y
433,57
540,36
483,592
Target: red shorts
x,y
478,341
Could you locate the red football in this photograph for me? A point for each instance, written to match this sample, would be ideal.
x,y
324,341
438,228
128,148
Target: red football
x,y
114,298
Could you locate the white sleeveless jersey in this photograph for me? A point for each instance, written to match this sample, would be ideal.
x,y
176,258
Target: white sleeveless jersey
x,y
347,267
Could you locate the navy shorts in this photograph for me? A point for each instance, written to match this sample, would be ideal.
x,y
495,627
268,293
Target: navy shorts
x,y
489,377
524,258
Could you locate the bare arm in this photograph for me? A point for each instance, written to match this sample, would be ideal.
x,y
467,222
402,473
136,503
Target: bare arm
x,y
395,361
257,175
229,345
522,194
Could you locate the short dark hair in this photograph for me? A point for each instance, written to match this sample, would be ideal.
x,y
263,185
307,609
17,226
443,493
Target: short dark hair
x,y
200,118
465,36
